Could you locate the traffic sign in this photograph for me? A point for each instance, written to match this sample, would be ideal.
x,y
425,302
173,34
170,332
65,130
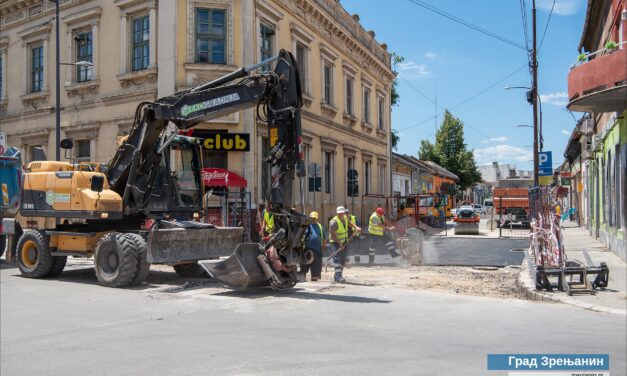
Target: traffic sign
x,y
3,142
545,163
314,169
352,174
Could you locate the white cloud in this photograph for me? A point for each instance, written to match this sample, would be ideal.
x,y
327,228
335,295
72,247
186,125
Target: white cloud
x,y
496,139
413,71
562,7
565,132
503,153
431,55
556,99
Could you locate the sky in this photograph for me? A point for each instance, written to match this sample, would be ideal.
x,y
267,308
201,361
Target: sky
x,y
465,71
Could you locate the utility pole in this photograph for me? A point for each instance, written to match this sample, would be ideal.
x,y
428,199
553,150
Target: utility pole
x,y
57,106
534,93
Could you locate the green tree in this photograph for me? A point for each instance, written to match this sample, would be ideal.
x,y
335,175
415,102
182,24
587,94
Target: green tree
x,y
394,97
395,139
450,151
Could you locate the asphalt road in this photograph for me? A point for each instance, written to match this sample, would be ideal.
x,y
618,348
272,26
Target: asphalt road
x,y
71,326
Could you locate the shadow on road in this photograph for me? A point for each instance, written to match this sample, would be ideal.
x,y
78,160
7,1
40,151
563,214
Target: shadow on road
x,y
297,293
4,264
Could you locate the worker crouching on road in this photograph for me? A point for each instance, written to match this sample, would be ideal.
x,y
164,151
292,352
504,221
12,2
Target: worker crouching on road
x,y
377,225
315,242
338,236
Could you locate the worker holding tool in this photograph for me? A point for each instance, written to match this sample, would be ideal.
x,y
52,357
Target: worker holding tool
x,y
377,225
338,236
350,249
315,242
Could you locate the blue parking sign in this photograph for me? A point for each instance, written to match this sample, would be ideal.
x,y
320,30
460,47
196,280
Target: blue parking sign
x,y
545,163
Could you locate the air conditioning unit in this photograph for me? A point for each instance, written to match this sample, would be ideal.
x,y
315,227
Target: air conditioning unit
x,y
597,143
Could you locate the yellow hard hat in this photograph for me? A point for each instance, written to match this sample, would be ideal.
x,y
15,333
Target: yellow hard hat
x,y
313,214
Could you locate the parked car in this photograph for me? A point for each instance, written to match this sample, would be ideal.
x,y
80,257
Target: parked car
x,y
480,209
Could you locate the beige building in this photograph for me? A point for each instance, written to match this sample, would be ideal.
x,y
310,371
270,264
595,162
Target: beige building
x,y
142,50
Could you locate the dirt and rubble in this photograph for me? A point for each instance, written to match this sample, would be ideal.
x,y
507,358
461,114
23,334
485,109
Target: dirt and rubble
x,y
479,281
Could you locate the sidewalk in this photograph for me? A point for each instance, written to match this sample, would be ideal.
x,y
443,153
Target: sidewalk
x,y
613,299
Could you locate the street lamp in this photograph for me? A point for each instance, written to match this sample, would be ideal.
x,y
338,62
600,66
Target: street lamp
x,y
57,107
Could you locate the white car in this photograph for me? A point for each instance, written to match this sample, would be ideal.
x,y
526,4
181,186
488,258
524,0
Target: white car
x,y
480,209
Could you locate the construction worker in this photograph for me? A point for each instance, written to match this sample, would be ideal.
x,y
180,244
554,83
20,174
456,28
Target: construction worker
x,y
377,225
351,247
338,236
315,242
267,221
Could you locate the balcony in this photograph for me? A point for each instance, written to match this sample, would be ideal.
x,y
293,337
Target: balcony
x,y
600,84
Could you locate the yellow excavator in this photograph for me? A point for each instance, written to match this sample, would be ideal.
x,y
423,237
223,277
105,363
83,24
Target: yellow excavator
x,y
140,208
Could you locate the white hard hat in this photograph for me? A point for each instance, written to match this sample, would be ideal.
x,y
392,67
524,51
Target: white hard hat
x,y
340,209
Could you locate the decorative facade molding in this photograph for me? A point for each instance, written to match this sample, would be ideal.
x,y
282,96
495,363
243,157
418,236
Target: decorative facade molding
x,y
82,89
137,78
328,110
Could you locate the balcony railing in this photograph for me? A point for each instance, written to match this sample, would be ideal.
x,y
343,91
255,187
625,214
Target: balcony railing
x,y
597,82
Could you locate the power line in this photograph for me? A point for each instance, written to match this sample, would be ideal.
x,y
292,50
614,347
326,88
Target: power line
x,y
546,26
466,101
465,23
421,92
523,12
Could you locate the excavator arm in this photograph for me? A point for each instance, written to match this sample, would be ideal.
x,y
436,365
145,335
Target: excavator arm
x,y
277,97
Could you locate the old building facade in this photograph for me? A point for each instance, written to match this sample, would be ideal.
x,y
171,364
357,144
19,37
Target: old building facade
x,y
145,49
596,153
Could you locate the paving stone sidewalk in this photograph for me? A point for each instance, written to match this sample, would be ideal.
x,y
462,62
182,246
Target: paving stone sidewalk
x,y
613,299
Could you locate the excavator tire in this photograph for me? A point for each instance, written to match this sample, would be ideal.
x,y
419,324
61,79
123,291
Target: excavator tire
x,y
143,266
34,258
116,260
190,270
3,244
58,264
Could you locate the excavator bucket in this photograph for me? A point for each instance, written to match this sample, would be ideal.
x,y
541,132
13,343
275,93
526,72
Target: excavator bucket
x,y
239,271
191,243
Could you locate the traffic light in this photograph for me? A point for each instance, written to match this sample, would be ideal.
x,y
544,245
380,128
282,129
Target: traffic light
x,y
352,188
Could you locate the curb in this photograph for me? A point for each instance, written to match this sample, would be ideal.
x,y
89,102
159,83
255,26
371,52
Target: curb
x,y
527,285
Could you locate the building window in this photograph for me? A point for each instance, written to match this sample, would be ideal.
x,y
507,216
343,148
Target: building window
x,y
210,36
267,44
328,171
367,173
349,96
37,68
328,84
83,150
382,180
215,159
84,52
31,152
380,110
366,105
141,42
303,66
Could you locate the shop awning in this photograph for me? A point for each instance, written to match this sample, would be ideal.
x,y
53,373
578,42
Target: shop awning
x,y
219,177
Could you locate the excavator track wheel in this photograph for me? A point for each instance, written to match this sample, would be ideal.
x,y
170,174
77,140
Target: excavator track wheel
x,y
33,254
143,266
116,260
